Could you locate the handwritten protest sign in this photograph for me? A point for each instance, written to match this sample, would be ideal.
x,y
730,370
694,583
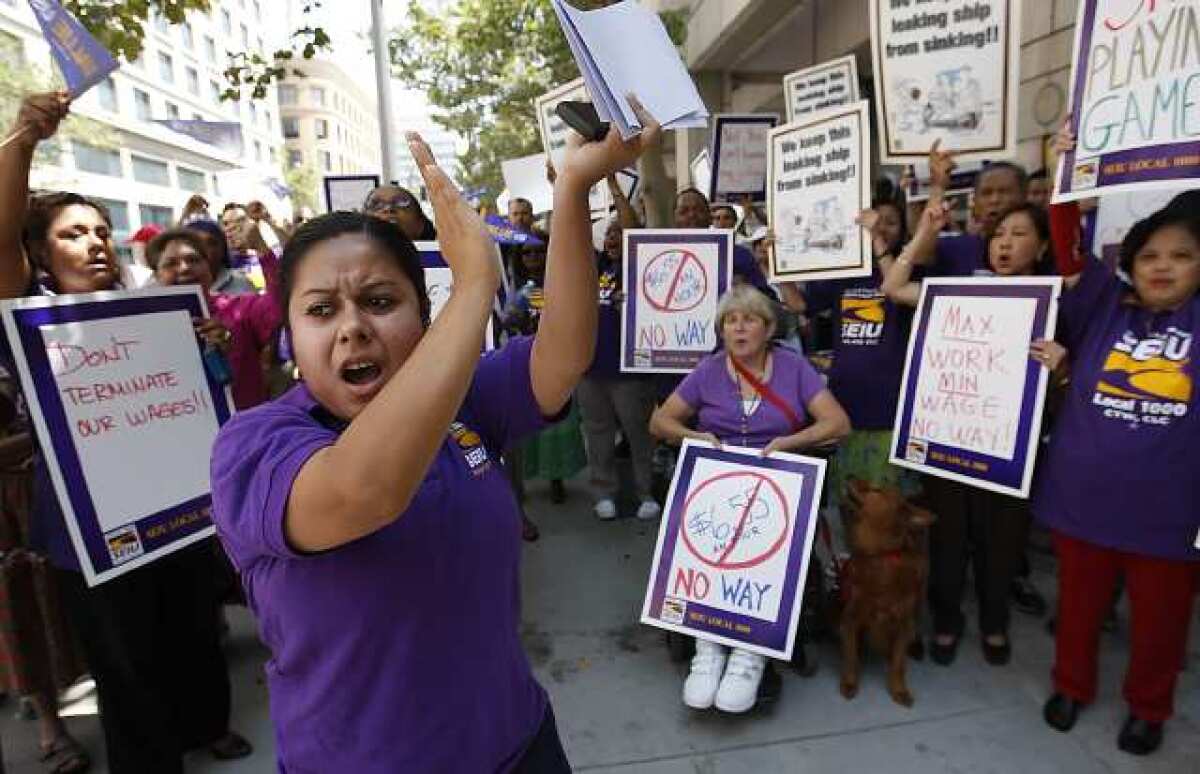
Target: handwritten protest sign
x,y
673,281
946,71
554,131
819,181
1135,98
740,156
971,397
116,383
439,283
348,192
813,89
733,551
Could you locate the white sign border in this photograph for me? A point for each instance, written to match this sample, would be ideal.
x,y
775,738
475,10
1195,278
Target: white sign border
x,y
850,62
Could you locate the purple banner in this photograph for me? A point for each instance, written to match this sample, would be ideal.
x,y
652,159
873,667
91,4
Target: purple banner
x,y
80,57
971,398
734,546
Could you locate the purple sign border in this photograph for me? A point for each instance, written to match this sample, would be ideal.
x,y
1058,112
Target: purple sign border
x,y
1067,168
769,635
1000,472
29,322
665,360
759,196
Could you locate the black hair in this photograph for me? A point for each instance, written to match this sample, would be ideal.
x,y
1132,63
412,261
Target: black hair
x,y
43,209
1046,265
1039,174
428,231
896,202
154,250
232,206
692,190
1004,166
1182,211
214,230
521,200
325,227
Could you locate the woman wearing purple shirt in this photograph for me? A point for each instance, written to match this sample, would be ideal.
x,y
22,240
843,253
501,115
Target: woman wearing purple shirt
x,y
1119,485
734,395
376,534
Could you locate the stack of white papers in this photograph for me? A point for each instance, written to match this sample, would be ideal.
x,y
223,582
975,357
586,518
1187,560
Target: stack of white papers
x,y
624,49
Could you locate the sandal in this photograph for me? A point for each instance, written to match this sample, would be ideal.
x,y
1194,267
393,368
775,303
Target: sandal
x,y
230,747
65,756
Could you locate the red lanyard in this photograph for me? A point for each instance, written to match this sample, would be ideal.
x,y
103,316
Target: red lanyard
x,y
767,393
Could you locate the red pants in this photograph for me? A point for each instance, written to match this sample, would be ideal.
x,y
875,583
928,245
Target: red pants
x,y
1161,592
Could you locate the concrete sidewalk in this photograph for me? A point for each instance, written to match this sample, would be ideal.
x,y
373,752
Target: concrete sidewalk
x,y
616,693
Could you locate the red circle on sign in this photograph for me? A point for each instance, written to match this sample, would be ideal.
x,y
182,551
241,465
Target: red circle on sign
x,y
681,281
722,563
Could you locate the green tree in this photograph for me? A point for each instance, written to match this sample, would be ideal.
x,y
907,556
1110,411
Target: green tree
x,y
18,79
302,180
482,63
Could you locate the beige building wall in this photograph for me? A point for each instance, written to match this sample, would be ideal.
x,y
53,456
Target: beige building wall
x,y
329,122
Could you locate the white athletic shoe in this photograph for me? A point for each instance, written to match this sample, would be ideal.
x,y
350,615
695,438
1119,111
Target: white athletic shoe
x,y
606,509
649,510
739,687
702,682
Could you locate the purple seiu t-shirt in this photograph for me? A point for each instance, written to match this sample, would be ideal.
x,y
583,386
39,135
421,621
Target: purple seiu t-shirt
x,y
961,255
607,362
716,398
399,651
869,346
1121,468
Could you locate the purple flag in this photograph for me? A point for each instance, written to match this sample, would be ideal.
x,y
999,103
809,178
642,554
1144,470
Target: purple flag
x,y
83,61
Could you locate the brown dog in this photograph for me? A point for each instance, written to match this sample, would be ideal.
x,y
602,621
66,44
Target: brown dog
x,y
884,581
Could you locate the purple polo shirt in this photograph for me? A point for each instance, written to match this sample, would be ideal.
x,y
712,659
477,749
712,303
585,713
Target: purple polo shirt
x,y
399,651
715,396
1121,468
961,255
870,342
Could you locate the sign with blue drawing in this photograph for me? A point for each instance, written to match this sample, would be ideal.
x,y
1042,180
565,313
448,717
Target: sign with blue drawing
x,y
733,549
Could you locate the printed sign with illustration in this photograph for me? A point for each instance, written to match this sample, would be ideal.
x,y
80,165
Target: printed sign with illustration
x,y
828,85
116,383
439,282
971,397
673,281
739,157
818,182
946,71
1135,98
733,549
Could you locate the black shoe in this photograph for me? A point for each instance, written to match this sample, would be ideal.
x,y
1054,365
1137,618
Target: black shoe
x,y
771,686
558,492
1140,737
1026,598
1061,712
943,655
916,649
997,655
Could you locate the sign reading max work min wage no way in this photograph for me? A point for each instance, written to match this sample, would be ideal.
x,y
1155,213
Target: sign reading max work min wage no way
x,y
971,397
116,383
673,281
1135,98
732,553
948,71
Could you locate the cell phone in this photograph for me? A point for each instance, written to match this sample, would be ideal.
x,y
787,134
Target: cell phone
x,y
583,118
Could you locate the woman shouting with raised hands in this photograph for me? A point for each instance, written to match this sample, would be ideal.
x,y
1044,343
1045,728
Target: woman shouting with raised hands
x,y
367,510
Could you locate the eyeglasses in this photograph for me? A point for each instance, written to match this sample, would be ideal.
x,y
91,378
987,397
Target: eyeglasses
x,y
395,205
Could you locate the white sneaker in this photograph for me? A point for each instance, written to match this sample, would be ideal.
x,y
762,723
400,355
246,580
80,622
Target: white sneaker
x,y
606,510
649,510
739,687
702,682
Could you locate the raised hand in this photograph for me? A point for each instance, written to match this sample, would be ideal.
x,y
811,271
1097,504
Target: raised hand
x,y
586,163
40,114
1064,140
941,165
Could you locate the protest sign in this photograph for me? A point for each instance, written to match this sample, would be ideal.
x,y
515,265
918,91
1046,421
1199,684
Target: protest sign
x,y
1135,98
600,200
439,283
505,233
226,136
348,192
84,62
1116,214
814,89
553,130
971,397
701,168
673,280
733,549
739,157
116,383
946,73
819,180
525,178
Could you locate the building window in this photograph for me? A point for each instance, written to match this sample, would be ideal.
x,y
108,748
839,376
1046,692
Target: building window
x,y
119,213
322,129
258,152
189,37
291,128
253,114
150,171
226,22
161,24
106,92
98,161
257,11
12,51
193,80
326,161
166,67
158,216
245,36
215,89
295,159
141,101
287,94
210,48
261,47
267,119
191,180
172,111
317,95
